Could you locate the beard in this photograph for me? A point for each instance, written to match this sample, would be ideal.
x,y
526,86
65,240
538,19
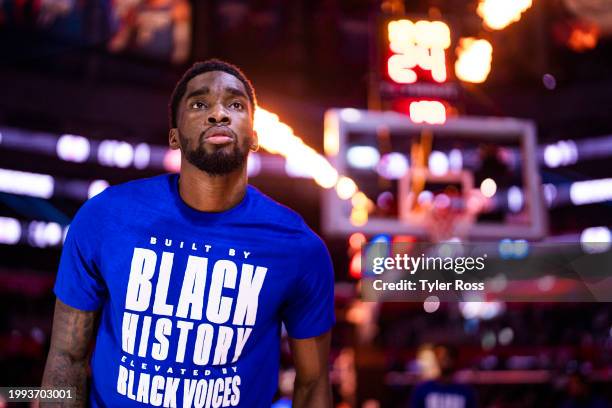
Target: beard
x,y
218,162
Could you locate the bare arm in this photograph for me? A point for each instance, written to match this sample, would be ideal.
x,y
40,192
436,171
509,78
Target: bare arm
x,y
311,359
67,361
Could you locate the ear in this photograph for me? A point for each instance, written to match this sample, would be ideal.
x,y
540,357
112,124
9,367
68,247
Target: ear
x,y
255,142
173,139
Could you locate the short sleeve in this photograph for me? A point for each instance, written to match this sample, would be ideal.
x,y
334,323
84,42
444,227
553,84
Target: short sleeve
x,y
309,308
78,283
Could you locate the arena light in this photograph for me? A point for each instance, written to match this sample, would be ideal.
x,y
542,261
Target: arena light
x,y
425,197
44,234
123,155
36,233
356,240
350,114
172,160
385,200
546,283
438,163
488,187
346,188
421,44
392,166
115,153
583,36
355,265
432,112
25,183
96,187
142,156
73,148
397,67
562,153
455,160
381,239
276,137
431,304
359,217
505,336
521,248
362,157
10,230
596,240
488,340
552,156
323,173
591,191
362,206
331,138
498,14
253,164
360,200
515,199
481,310
294,168
550,193
473,60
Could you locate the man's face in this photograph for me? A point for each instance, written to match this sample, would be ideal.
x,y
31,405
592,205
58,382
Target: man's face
x,y
215,125
445,360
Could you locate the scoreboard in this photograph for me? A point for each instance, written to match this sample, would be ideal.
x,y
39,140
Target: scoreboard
x,y
419,64
417,50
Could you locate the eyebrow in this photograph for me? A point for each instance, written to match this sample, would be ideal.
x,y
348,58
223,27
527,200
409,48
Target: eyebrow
x,y
206,90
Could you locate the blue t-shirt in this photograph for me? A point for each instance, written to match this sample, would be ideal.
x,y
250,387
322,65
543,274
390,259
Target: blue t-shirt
x,y
192,302
435,394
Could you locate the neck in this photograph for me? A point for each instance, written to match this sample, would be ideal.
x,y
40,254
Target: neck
x,y
204,192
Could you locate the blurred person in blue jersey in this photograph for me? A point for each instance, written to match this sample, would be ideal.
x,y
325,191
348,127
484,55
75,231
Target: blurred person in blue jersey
x,y
580,393
442,391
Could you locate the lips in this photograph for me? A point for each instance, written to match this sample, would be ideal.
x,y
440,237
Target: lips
x,y
218,136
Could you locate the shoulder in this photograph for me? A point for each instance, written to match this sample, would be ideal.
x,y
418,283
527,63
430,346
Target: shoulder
x,y
270,211
285,219
121,197
144,186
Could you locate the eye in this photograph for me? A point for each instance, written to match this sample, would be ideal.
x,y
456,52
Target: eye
x,y
198,105
237,105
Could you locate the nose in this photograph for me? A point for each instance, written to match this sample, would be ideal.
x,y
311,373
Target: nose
x,y
218,115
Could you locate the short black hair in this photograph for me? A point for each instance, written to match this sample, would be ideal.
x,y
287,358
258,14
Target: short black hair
x,y
200,68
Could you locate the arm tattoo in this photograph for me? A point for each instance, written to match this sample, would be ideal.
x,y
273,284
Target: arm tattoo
x,y
67,361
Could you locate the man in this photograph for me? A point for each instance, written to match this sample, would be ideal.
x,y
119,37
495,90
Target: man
x,y
192,274
443,391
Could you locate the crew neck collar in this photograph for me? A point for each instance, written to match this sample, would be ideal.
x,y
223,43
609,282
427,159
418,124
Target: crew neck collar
x,y
196,215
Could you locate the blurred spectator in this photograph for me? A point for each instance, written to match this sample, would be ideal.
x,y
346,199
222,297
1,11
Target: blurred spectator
x,y
159,29
580,394
51,10
442,391
345,376
371,403
286,380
